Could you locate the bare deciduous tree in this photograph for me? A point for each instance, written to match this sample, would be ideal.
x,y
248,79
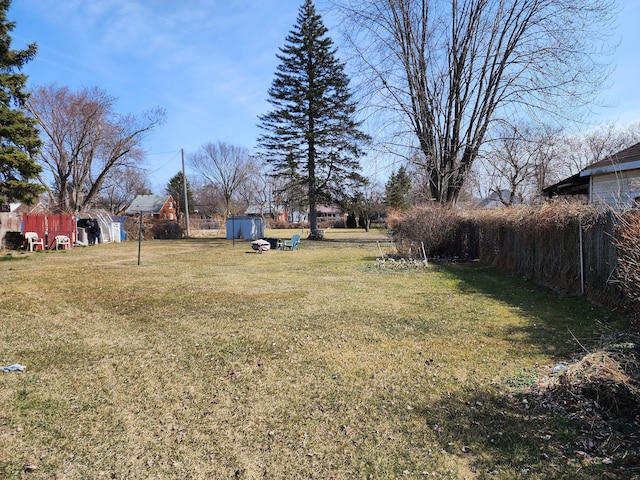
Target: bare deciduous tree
x,y
451,68
519,162
224,165
368,202
207,199
255,189
527,158
85,141
582,149
121,187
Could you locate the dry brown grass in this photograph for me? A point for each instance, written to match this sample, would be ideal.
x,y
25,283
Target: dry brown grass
x,y
209,361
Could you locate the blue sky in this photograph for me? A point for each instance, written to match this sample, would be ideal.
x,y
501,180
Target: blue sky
x,y
209,63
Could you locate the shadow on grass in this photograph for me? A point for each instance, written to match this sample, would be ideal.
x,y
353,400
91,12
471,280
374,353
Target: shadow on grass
x,y
512,430
12,258
558,325
518,435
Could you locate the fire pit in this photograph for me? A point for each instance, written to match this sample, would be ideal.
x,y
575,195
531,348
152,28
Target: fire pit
x,y
260,245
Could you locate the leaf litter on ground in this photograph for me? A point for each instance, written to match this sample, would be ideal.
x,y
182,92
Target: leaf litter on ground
x,y
600,393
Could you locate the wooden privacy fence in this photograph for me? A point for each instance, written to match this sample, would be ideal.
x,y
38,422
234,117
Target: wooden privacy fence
x,y
574,257
568,248
49,226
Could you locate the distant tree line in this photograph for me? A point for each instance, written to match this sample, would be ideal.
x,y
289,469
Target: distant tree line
x,y
446,85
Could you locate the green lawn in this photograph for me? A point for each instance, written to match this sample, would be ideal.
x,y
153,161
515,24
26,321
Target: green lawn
x,y
211,361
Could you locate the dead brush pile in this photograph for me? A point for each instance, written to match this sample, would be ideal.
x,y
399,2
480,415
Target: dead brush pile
x,y
152,228
600,395
609,377
444,232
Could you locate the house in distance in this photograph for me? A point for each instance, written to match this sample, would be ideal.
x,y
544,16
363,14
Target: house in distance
x,y
162,207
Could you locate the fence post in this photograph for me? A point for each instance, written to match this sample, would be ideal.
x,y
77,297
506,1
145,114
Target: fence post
x,y
581,257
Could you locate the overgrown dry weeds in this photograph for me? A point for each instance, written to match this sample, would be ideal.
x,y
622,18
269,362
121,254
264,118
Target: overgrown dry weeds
x,y
598,391
209,361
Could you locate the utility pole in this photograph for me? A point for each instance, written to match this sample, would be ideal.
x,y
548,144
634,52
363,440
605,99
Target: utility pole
x,y
186,198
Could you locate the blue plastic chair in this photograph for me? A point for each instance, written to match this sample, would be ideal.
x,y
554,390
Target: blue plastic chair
x,y
291,244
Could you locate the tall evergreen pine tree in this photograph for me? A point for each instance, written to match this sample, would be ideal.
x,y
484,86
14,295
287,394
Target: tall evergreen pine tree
x,y
397,189
19,139
175,188
312,136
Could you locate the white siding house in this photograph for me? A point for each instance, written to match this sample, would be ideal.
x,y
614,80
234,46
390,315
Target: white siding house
x,y
614,181
619,190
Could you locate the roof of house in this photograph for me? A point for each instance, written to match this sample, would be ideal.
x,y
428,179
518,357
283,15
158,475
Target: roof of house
x,y
327,209
627,159
147,204
260,210
573,185
21,208
493,199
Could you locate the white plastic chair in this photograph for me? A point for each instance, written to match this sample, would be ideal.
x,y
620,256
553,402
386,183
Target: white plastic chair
x,y
62,241
33,241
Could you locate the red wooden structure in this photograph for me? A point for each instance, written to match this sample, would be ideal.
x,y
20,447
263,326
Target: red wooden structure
x,y
49,226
